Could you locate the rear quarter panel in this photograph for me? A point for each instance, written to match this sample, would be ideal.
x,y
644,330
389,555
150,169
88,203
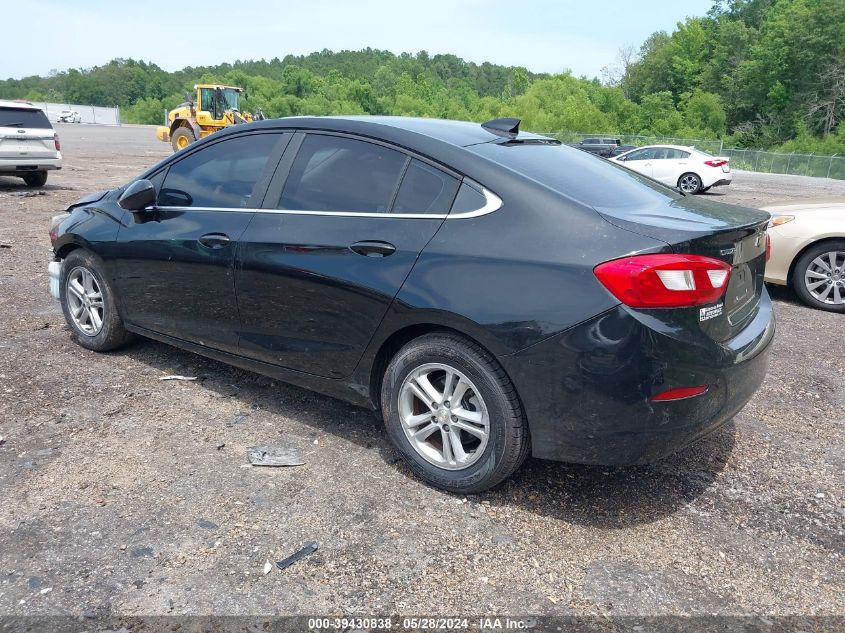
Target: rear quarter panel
x,y
516,276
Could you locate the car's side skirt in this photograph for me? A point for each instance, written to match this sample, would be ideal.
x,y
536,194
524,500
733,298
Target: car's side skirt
x,y
332,387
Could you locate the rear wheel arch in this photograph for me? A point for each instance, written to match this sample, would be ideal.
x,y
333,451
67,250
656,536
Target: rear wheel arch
x,y
65,250
397,340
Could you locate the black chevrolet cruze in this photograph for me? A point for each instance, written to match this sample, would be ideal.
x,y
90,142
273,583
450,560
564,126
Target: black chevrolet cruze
x,y
493,294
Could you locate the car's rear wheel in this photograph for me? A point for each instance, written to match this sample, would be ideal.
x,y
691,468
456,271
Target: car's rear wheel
x,y
689,183
182,137
453,414
819,276
35,179
88,303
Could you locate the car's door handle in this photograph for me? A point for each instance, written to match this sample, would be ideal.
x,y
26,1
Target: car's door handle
x,y
373,248
214,240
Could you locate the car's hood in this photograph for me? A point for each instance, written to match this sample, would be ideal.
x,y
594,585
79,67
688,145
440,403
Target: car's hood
x,y
88,199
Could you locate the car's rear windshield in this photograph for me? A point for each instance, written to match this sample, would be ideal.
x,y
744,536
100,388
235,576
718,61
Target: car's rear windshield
x,y
23,117
579,175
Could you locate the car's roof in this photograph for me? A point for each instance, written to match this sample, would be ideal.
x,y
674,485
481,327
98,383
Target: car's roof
x,y
685,148
459,133
20,105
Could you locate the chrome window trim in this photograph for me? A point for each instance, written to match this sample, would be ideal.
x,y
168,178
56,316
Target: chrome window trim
x,y
493,203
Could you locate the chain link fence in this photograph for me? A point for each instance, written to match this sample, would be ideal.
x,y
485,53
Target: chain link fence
x,y
748,159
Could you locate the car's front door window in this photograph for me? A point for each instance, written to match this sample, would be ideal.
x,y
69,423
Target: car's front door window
x,y
222,175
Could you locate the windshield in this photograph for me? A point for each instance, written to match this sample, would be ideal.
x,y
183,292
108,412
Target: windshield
x,y
231,99
23,117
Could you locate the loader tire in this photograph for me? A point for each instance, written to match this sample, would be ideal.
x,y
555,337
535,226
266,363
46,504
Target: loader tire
x,y
181,138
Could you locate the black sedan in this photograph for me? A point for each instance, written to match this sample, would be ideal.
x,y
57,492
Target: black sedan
x,y
493,294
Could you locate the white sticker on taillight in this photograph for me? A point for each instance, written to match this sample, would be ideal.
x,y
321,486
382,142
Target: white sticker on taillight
x,y
717,277
677,279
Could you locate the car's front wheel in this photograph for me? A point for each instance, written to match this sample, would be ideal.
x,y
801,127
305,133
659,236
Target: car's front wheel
x,y
453,414
819,276
689,183
35,179
89,305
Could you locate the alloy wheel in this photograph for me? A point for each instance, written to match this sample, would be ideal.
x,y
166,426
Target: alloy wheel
x,y
85,301
444,416
689,183
825,278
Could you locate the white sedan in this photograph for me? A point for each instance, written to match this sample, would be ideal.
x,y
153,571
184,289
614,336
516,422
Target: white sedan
x,y
69,116
687,168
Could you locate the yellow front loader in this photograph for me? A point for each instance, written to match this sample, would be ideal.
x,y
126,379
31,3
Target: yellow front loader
x,y
212,108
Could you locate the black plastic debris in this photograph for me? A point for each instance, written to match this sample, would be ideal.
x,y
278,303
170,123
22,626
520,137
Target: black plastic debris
x,y
307,550
274,456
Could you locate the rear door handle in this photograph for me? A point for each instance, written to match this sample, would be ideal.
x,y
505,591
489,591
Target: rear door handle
x,y
214,240
373,248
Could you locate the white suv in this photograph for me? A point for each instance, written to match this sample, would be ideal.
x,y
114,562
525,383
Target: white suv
x,y
29,147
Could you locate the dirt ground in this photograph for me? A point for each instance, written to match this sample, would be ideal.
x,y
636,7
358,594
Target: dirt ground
x,y
124,494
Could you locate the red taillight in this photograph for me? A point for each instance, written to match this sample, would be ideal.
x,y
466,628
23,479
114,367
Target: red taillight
x,y
679,393
665,281
716,163
768,247
56,141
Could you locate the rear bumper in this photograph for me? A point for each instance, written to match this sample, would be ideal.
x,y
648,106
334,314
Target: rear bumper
x,y
723,181
587,392
20,166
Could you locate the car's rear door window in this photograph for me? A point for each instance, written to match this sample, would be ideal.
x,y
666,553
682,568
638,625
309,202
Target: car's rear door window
x,y
24,117
341,174
221,175
425,189
468,199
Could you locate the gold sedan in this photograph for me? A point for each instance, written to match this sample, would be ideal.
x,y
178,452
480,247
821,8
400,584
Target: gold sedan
x,y
808,251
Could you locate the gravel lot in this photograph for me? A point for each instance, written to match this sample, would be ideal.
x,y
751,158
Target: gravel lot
x,y
117,498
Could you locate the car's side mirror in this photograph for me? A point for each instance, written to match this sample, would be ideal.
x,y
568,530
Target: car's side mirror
x,y
138,196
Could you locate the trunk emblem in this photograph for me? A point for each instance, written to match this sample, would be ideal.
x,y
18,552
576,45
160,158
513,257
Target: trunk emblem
x,y
727,251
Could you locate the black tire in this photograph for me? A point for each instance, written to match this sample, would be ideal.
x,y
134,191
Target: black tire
x,y
508,440
35,179
803,264
694,183
111,334
181,133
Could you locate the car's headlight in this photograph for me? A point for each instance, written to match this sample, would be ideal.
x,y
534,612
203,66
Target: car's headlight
x,y
777,220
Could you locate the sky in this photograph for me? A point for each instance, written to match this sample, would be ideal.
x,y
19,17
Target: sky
x,y
543,35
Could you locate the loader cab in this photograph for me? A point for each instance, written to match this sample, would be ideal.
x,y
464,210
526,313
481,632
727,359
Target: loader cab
x,y
215,101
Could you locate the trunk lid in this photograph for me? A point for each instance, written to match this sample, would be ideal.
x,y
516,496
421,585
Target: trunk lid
x,y
25,133
733,234
27,143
